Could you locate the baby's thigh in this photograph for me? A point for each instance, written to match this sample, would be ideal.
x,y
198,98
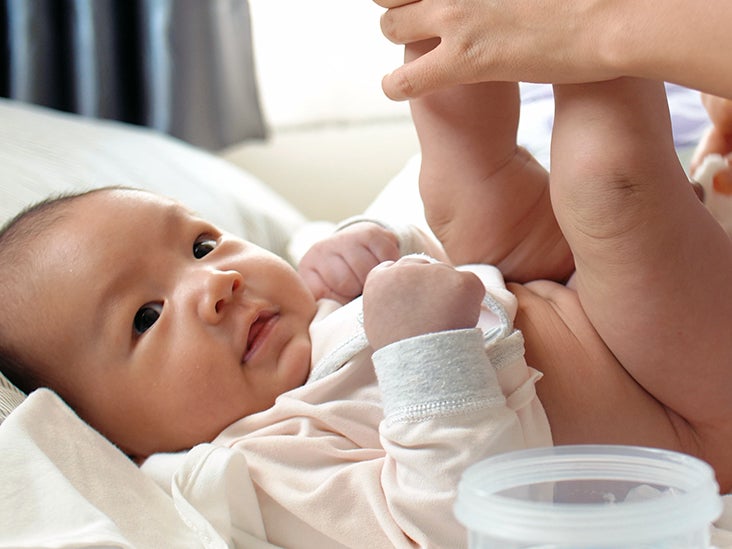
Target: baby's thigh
x,y
588,395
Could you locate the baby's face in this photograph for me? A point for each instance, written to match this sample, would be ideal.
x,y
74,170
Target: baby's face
x,y
162,329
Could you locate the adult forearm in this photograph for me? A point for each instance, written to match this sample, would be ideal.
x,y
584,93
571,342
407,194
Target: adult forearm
x,y
678,41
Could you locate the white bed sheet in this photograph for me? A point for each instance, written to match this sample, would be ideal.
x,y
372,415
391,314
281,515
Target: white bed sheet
x,y
52,495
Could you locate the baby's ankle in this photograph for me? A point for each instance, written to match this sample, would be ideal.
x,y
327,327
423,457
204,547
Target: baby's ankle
x,y
473,211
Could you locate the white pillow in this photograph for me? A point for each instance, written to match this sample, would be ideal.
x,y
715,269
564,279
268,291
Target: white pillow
x,y
45,152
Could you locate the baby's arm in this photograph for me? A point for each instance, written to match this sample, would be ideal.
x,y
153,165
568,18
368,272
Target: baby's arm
x,y
336,267
444,408
415,296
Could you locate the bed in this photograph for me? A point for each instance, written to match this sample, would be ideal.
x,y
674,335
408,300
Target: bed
x,y
63,485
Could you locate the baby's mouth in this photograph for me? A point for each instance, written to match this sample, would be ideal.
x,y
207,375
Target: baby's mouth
x,y
258,332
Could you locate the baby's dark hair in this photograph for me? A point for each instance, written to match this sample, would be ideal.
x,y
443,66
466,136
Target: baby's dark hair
x,y
18,241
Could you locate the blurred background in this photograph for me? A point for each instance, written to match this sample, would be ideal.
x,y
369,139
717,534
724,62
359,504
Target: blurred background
x,y
290,90
319,66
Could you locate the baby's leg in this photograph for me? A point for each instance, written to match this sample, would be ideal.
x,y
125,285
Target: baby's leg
x,y
653,267
486,199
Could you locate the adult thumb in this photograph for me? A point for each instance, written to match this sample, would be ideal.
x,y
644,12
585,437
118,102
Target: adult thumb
x,y
415,78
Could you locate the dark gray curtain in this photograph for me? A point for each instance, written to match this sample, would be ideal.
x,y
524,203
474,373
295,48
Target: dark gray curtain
x,y
184,67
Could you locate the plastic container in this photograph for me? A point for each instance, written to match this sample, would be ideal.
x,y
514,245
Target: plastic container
x,y
579,497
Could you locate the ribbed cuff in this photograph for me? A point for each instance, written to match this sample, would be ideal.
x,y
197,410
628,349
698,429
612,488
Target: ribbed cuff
x,y
442,373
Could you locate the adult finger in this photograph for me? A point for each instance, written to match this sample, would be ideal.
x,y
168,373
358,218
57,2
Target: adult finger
x,y
407,24
719,110
722,181
711,142
425,74
395,3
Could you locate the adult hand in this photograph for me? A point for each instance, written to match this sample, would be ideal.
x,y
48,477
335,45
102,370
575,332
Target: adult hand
x,y
560,42
498,40
718,137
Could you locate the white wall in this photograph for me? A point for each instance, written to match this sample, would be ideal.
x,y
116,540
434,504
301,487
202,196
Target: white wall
x,y
321,61
335,139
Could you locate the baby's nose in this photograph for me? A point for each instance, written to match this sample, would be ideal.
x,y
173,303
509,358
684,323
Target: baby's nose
x,y
219,289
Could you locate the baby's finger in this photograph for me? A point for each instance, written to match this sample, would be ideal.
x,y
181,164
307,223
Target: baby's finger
x,y
340,279
315,283
382,266
417,259
359,261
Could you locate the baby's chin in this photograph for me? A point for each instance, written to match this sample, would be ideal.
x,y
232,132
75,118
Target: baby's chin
x,y
293,366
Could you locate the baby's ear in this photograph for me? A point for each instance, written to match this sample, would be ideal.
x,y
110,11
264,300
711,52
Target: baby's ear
x,y
714,175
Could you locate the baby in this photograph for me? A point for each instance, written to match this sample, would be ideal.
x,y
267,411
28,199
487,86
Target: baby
x,y
163,332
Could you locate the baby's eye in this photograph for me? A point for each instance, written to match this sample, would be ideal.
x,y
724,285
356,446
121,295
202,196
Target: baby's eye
x,y
146,316
203,246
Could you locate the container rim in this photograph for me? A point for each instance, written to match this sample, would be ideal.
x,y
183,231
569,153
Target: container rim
x,y
695,502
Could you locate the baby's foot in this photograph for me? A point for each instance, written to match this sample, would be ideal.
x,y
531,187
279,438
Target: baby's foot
x,y
500,215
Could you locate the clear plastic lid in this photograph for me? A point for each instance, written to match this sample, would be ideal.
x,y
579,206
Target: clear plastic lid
x,y
585,493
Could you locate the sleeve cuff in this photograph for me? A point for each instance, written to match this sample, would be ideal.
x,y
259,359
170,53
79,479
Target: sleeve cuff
x,y
436,374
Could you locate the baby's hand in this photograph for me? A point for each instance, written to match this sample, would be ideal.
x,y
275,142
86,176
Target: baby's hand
x,y
413,297
336,267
